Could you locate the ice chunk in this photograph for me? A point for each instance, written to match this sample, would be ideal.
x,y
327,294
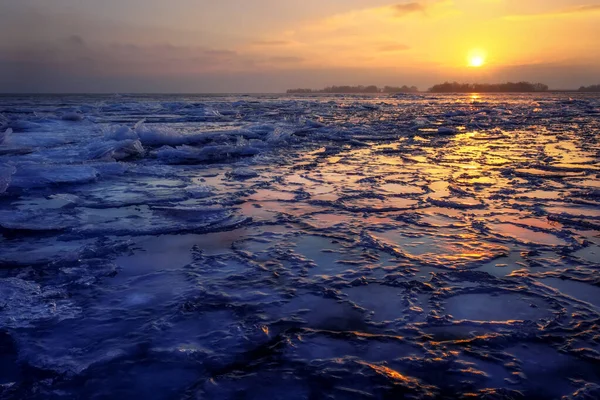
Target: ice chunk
x,y
159,136
136,221
525,235
193,213
25,302
6,173
200,191
21,125
4,136
72,116
154,135
279,135
66,198
504,307
446,131
183,154
35,221
119,133
39,175
243,173
116,150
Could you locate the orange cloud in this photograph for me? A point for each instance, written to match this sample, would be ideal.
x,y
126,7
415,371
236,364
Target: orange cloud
x,y
272,43
577,10
393,47
409,8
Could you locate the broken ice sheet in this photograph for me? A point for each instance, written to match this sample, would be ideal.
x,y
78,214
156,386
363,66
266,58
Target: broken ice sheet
x,y
378,245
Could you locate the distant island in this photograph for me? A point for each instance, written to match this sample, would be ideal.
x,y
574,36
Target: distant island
x,y
358,89
590,89
508,87
446,87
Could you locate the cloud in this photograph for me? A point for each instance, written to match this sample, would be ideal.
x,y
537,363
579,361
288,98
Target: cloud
x,y
571,11
77,56
76,40
219,53
73,63
389,14
272,42
408,8
286,59
392,47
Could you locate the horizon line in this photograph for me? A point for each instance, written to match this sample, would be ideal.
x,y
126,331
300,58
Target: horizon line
x,y
250,93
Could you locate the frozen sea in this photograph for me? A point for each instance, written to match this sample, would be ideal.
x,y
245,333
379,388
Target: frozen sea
x,y
300,247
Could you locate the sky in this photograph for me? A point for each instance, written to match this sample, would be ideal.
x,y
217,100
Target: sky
x,y
117,46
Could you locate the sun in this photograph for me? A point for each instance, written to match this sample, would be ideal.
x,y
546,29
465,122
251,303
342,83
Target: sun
x,y
476,59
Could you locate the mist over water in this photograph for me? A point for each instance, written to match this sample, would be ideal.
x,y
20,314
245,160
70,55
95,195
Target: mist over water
x,y
293,247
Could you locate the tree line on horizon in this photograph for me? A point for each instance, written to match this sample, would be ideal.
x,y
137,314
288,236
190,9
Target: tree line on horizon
x,y
446,87
359,89
508,87
590,89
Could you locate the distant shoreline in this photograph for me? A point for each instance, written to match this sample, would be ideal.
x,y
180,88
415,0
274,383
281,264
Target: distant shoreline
x,y
447,87
450,93
8,94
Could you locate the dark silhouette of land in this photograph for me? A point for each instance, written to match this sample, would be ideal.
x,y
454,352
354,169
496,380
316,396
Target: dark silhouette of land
x,y
508,87
590,89
446,87
359,89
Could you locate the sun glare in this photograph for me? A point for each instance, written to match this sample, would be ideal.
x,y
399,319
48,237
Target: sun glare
x,y
476,59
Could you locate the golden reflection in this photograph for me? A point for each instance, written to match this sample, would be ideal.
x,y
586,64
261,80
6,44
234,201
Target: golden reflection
x,y
390,373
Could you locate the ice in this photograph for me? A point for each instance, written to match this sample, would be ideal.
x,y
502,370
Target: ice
x,y
279,135
6,173
243,173
214,153
527,235
116,150
501,307
66,199
25,303
446,131
445,248
119,133
156,221
322,313
200,191
158,136
458,203
72,116
579,290
542,363
398,188
155,135
37,175
270,195
322,253
342,246
36,221
5,136
387,303
21,125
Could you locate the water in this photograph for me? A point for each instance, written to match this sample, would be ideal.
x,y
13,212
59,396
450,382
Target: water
x,y
299,246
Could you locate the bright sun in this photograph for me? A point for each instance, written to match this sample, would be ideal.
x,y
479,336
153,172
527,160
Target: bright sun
x,y
476,59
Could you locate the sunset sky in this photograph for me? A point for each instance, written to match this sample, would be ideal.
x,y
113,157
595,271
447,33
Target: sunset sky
x,y
271,45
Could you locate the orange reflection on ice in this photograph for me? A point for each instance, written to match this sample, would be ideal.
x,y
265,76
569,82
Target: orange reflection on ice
x,y
390,373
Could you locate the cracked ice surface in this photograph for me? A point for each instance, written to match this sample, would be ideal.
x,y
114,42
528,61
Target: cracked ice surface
x,y
300,247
